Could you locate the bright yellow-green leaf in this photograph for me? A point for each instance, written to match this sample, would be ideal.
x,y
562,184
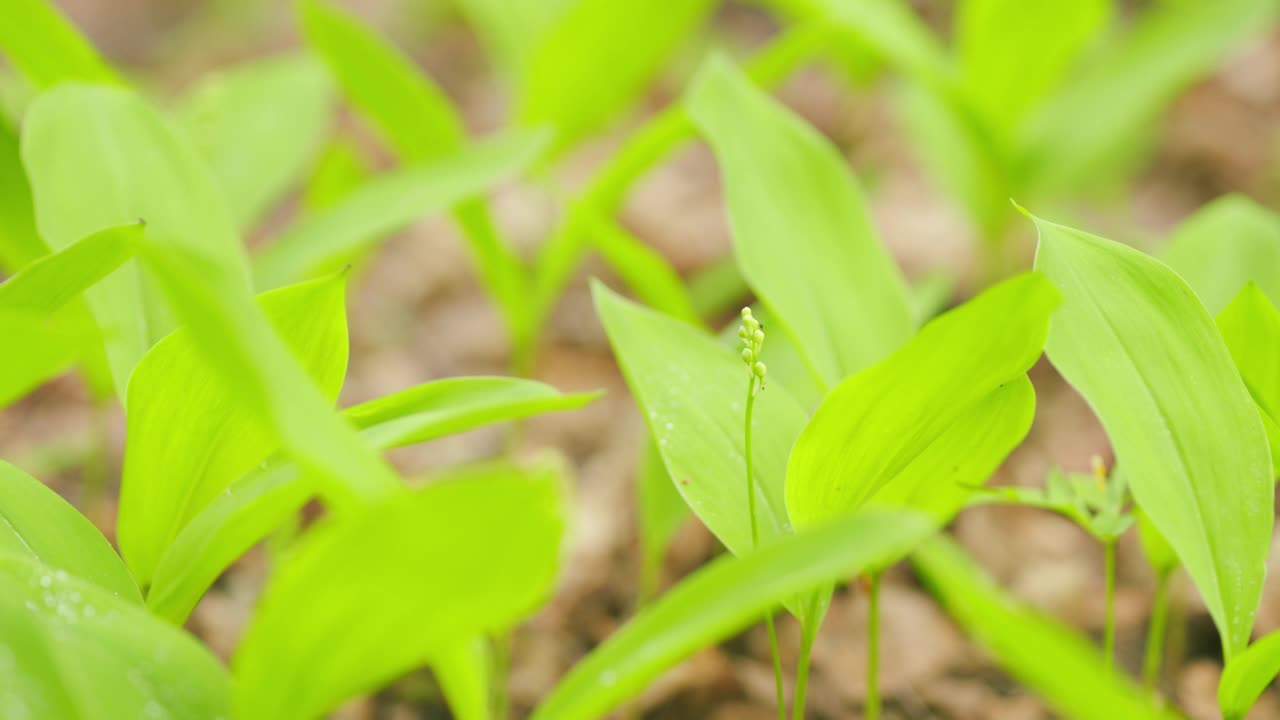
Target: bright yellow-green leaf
x,y
259,126
1135,341
99,157
75,651
260,501
596,58
1062,667
188,439
48,49
461,557
722,599
47,284
19,242
1250,327
510,29
1223,245
1013,53
875,426
802,232
1246,676
36,522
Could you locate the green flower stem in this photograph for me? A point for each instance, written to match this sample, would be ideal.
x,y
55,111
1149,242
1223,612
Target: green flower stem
x,y
873,648
1156,631
1109,633
808,632
755,542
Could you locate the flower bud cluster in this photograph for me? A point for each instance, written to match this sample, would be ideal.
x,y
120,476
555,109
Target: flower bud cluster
x,y
751,332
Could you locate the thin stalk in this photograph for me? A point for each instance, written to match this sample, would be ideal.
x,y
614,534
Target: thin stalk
x,y
1109,633
501,666
873,648
755,542
808,632
1156,631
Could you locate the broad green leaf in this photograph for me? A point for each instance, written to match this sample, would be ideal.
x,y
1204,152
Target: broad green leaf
x,y
46,48
722,599
1247,676
597,57
236,338
323,241
802,232
340,170
1133,339
1155,548
260,501
36,522
942,478
50,282
692,392
459,558
188,439
19,241
1225,244
1095,126
877,425
259,126
408,111
1053,660
893,30
1250,327
1013,54
99,157
76,651
48,350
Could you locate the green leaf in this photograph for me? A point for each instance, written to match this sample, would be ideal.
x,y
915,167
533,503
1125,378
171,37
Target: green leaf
x,y
1133,339
188,439
883,423
36,522
259,126
46,48
1225,244
692,392
1053,660
1013,54
662,511
1109,108
598,56
464,671
340,170
1250,327
722,599
645,271
48,351
1155,548
325,240
99,157
1247,676
74,650
510,29
50,282
802,232
456,559
257,503
19,241
409,112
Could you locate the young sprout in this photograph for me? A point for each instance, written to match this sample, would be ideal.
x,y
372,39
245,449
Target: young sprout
x,y
751,332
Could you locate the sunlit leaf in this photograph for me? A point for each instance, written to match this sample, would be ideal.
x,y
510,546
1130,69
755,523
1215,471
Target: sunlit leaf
x,y
489,538
1247,675
876,426
722,599
259,126
1250,327
802,232
1133,339
1061,666
36,522
47,48
99,157
74,650
260,501
188,438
